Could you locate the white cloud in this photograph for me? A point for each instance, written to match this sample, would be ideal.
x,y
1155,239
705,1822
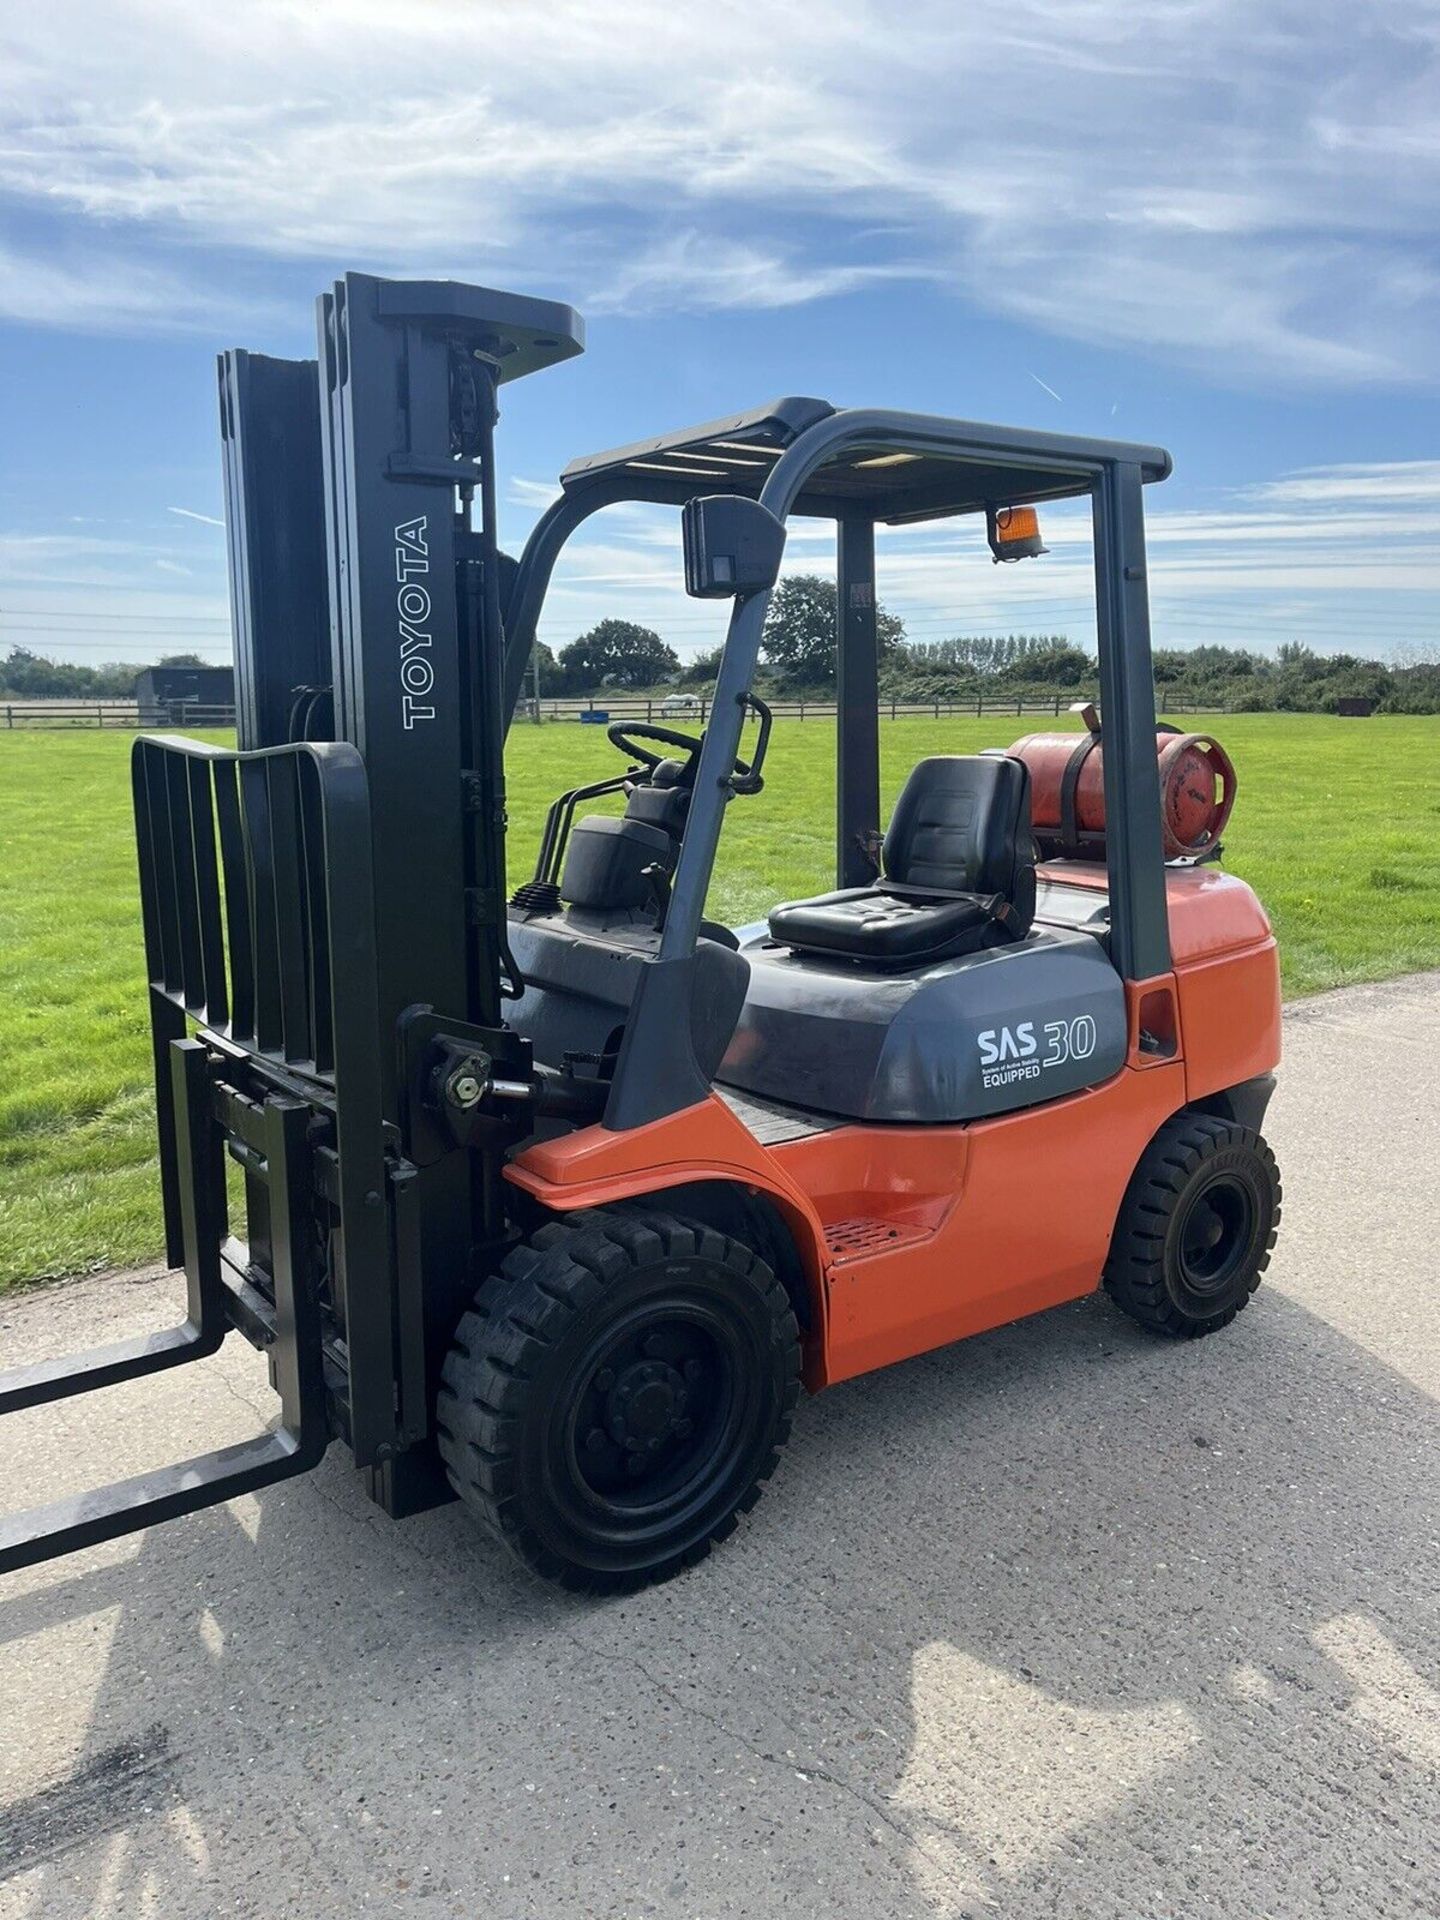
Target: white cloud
x,y
105,287
23,554
1364,483
1251,190
691,270
62,561
533,495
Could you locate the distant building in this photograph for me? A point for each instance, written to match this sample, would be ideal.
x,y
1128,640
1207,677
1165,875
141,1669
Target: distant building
x,y
164,693
1352,706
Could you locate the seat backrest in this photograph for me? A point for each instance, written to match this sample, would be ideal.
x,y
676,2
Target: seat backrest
x,y
962,823
660,806
606,859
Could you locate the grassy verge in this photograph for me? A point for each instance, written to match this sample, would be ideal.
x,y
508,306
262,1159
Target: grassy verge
x,y
1337,827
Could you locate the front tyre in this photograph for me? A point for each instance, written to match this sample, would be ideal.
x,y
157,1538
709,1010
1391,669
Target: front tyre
x,y
618,1395
1196,1226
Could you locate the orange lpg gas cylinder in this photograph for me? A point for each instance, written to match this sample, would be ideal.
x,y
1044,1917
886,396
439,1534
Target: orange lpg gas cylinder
x,y
1067,791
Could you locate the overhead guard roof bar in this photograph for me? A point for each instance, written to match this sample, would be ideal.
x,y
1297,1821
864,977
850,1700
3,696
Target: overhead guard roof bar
x,y
945,467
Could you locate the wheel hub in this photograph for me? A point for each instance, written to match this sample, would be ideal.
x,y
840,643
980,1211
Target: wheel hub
x,y
646,1406
1209,1229
1214,1236
654,1406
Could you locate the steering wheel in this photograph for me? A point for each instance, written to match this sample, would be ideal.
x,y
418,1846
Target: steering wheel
x,y
745,774
627,737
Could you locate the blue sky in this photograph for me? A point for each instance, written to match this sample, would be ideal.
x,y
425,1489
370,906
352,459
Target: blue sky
x,y
1185,221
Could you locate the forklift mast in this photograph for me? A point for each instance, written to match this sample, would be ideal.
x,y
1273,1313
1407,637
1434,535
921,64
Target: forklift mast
x,y
321,904
382,450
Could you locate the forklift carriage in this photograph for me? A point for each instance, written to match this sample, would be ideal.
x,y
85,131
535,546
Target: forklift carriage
x,y
555,1206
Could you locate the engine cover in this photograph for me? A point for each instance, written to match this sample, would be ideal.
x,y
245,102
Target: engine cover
x,y
982,1034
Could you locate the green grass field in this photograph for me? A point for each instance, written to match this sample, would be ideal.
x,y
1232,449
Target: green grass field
x,y
1337,826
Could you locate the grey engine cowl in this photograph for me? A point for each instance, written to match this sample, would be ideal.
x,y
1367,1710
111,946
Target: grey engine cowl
x,y
983,1034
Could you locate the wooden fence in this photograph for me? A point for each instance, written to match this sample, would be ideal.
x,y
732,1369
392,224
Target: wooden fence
x,y
664,711
124,714
661,710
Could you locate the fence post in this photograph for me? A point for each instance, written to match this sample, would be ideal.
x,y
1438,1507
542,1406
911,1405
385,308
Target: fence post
x,y
979,706
9,716
649,711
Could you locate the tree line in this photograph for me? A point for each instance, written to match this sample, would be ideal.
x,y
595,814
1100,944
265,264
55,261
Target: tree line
x,y
1295,679
25,675
798,658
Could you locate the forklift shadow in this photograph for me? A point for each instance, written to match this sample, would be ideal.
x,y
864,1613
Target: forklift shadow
x,y
1060,1619
1155,1604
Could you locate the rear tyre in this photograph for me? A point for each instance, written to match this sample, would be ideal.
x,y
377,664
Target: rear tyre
x,y
618,1395
1196,1226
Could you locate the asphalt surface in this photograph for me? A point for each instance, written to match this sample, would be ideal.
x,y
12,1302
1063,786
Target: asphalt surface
x,y
1062,1621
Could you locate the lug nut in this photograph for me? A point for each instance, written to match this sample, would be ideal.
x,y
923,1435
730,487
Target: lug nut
x,y
692,1371
595,1439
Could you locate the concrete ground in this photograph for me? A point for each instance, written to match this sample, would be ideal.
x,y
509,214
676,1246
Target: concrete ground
x,y
1062,1621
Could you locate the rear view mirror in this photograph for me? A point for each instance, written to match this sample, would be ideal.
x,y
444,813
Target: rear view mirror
x,y
733,545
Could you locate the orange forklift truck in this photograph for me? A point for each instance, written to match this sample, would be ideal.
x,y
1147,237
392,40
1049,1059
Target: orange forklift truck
x,y
555,1206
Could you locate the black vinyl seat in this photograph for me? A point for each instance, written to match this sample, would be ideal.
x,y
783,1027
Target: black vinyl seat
x,y
662,800
609,862
959,872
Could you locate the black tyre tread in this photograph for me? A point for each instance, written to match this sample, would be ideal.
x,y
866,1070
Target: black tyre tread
x,y
1134,1275
541,1286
